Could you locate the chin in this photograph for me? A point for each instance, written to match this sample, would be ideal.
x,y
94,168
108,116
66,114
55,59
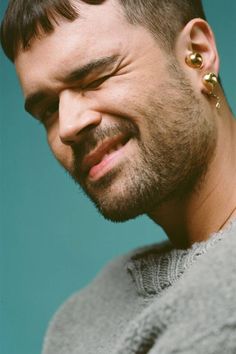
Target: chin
x,y
118,214
118,208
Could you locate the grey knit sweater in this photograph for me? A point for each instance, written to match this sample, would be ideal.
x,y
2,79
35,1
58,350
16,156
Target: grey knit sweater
x,y
155,300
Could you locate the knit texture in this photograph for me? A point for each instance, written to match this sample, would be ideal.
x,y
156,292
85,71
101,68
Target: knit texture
x,y
158,267
155,300
195,315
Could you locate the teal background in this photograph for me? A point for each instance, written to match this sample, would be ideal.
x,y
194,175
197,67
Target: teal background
x,y
52,240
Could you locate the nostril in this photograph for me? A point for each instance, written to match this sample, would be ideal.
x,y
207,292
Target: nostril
x,y
87,129
71,138
67,141
69,132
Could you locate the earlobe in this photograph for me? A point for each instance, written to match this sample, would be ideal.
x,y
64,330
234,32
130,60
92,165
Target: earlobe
x,y
210,82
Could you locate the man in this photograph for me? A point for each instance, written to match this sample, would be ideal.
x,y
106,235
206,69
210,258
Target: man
x,y
129,95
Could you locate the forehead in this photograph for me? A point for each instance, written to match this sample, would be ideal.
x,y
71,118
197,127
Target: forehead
x,y
99,31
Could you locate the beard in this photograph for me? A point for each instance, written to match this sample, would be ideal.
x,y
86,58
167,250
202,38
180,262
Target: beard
x,y
170,157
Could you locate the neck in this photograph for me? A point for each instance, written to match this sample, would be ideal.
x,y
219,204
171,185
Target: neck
x,y
211,206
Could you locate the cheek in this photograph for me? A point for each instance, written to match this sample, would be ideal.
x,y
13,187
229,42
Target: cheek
x,y
120,98
133,101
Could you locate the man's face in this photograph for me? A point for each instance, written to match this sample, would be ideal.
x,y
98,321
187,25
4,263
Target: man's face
x,y
119,113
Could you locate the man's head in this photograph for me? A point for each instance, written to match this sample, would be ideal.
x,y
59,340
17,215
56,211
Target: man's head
x,y
123,112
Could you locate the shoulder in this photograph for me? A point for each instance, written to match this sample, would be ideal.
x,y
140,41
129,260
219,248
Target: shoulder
x,y
104,297
197,314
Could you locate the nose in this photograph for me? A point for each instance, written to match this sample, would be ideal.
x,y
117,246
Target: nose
x,y
75,115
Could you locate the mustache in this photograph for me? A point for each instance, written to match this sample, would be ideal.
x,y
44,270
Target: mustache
x,y
94,136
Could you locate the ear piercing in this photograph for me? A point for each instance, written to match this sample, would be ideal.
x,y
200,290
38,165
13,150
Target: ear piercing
x,y
210,80
194,60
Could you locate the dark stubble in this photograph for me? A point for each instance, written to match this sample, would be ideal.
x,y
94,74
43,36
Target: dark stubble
x,y
170,161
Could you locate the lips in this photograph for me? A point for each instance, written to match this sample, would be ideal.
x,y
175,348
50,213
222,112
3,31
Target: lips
x,y
100,153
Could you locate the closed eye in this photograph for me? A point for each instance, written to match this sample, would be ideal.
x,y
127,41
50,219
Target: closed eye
x,y
95,84
49,111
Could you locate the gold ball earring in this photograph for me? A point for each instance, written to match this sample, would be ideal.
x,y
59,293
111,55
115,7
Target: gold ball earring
x,y
194,60
210,81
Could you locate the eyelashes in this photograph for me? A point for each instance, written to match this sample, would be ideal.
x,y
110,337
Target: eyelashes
x,y
95,84
49,111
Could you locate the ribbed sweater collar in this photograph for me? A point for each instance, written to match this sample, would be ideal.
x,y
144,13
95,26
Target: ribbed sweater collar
x,y
157,267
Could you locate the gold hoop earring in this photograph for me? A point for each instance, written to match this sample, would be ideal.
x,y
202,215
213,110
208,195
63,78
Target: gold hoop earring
x,y
210,81
194,60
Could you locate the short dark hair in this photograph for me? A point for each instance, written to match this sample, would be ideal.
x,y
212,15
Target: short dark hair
x,y
25,20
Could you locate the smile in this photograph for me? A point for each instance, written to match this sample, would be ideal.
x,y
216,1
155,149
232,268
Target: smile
x,y
100,161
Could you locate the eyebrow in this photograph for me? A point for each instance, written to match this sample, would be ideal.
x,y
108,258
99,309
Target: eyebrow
x,y
76,75
81,73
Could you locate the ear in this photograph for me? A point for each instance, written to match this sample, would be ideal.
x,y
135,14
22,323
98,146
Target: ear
x,y
197,36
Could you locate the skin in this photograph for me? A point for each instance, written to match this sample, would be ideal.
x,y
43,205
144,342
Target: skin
x,y
177,156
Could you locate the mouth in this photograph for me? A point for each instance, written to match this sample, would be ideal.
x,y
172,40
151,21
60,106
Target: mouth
x,y
101,160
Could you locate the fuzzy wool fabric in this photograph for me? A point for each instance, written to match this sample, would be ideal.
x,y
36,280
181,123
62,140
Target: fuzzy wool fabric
x,y
155,300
